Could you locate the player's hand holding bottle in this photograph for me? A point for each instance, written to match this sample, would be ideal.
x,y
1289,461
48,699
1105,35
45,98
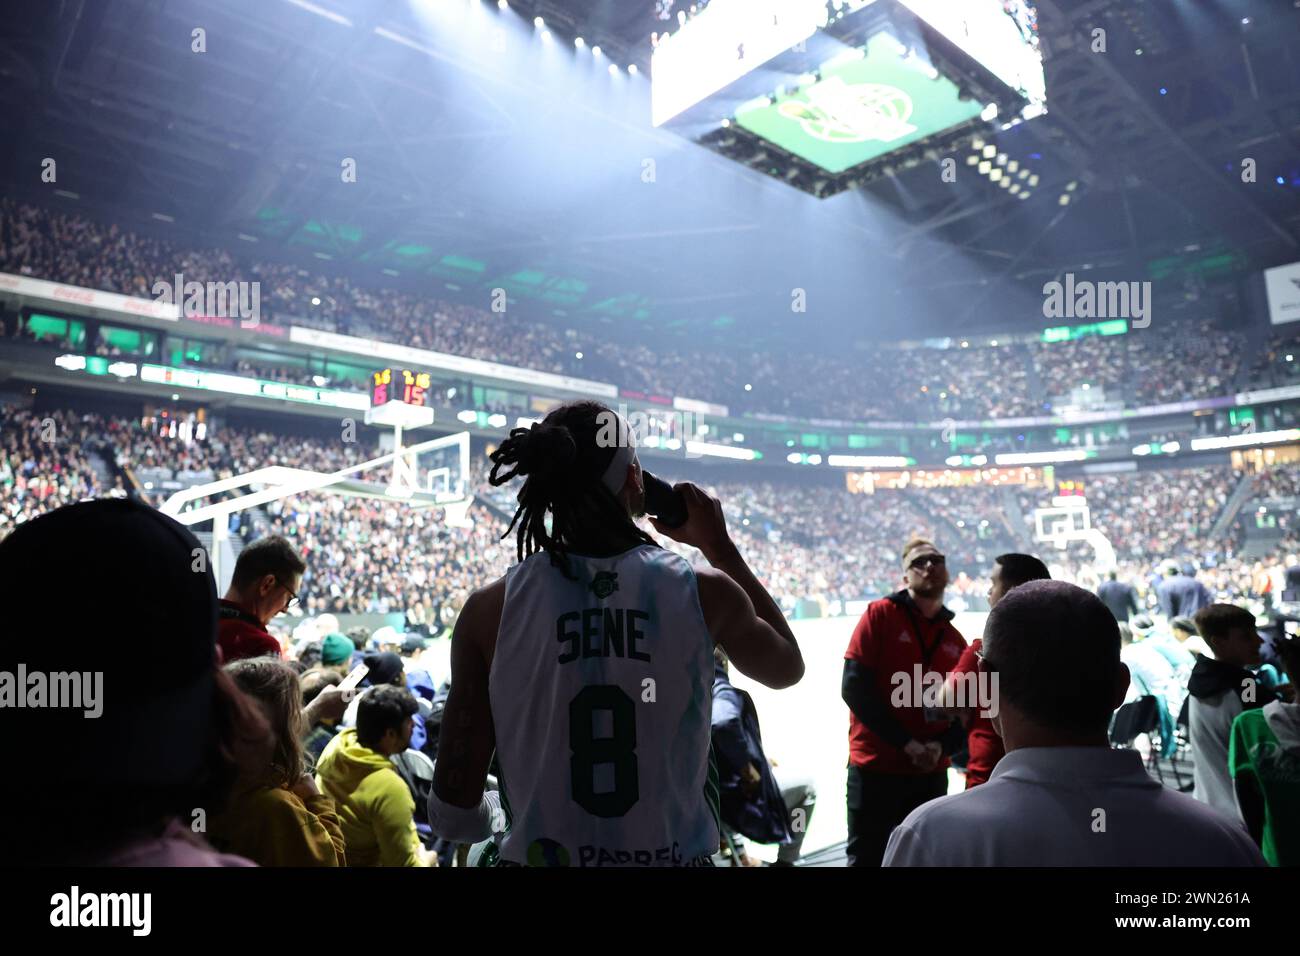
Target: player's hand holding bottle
x,y
705,527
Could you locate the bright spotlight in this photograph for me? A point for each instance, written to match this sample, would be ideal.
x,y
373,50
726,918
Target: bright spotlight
x,y
631,68
579,42
595,51
503,4
539,22
613,69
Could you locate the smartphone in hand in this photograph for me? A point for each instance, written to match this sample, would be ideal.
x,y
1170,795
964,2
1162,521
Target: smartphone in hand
x,y
355,677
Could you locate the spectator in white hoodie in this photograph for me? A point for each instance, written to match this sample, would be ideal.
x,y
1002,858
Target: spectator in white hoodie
x,y
1219,690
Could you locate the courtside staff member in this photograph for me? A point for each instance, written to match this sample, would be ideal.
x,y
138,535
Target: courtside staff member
x,y
898,754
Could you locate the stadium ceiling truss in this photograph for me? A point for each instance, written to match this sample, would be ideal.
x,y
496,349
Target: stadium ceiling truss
x,y
1157,169
1177,187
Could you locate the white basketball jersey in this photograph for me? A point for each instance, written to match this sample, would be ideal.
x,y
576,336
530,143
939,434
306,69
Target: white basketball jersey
x,y
601,694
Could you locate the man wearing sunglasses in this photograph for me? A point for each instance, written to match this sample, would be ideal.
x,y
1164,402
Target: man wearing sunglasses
x,y
897,748
267,578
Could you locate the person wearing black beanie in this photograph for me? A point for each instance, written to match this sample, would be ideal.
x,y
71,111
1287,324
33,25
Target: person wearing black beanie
x,y
127,731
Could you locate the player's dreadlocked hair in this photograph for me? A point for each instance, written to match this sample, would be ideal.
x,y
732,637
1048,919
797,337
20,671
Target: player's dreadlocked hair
x,y
562,465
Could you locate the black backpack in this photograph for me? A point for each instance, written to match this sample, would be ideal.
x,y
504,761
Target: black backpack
x,y
433,721
416,770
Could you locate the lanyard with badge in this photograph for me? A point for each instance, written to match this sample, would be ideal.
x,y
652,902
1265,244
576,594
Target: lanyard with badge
x,y
932,714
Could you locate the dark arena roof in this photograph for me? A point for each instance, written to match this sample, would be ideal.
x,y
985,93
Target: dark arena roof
x,y
320,319
544,158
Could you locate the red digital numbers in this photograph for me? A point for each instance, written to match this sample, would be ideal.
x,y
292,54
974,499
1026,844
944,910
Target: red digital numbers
x,y
409,387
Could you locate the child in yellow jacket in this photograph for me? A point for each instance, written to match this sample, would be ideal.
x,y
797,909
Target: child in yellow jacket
x,y
276,816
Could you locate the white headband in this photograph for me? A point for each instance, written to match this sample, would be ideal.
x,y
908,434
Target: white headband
x,y
615,476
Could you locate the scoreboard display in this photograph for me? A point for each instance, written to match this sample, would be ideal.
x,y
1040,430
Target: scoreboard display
x,y
399,385
399,398
1070,489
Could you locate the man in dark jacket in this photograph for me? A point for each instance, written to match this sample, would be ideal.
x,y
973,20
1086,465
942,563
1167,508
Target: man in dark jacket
x,y
1181,595
1291,593
751,802
1118,596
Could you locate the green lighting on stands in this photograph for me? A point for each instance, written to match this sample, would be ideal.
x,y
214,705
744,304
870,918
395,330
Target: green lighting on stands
x,y
1068,333
462,264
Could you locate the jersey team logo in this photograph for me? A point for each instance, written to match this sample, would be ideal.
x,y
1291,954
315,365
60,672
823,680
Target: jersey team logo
x,y
604,584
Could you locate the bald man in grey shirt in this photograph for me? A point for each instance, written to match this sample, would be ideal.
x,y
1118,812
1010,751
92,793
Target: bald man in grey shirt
x,y
1061,796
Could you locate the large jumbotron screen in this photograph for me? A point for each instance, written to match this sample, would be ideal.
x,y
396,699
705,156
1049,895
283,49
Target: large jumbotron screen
x,y
732,38
861,109
996,34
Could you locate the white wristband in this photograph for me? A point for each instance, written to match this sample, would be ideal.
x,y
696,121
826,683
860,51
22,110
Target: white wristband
x,y
464,824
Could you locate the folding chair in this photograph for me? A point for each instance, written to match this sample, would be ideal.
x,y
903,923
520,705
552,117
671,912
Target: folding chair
x,y
1135,719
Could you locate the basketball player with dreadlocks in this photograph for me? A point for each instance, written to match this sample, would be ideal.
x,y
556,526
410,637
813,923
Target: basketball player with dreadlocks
x,y
586,670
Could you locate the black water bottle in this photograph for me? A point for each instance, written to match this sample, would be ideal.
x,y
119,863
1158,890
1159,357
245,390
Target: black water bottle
x,y
663,501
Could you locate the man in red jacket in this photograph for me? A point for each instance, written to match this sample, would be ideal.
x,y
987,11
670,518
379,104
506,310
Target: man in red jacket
x,y
983,744
898,743
267,577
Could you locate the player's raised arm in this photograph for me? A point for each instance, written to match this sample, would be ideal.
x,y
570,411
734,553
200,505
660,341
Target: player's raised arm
x,y
739,612
458,808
